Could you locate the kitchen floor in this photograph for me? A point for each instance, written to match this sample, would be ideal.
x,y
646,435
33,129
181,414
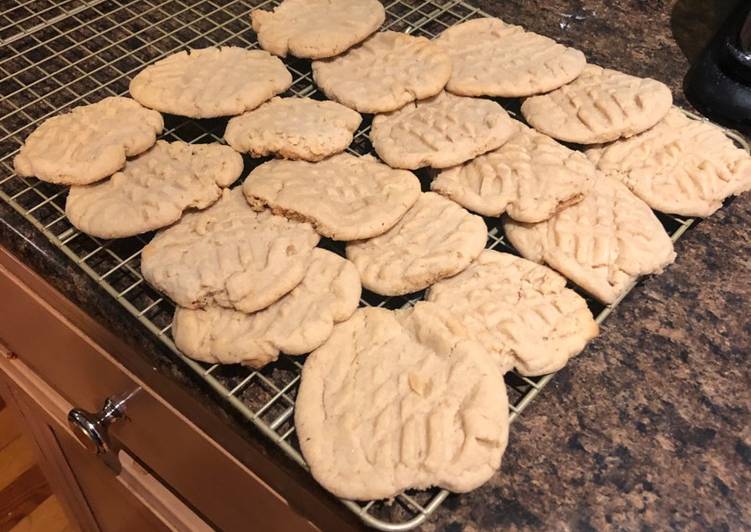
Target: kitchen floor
x,y
26,501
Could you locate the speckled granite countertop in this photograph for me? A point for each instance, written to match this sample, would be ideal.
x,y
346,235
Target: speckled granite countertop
x,y
650,427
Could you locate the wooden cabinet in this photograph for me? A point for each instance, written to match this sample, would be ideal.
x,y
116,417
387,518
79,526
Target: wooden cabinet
x,y
95,496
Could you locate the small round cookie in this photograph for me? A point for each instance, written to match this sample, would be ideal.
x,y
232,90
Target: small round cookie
x,y
441,131
211,82
345,197
492,58
293,128
435,239
530,178
600,105
603,243
229,255
385,72
316,29
400,400
89,143
680,166
520,311
154,189
296,324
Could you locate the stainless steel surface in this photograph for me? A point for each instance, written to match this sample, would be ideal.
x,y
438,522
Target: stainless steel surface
x,y
91,427
56,55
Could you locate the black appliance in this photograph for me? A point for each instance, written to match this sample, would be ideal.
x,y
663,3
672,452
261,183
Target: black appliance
x,y
719,82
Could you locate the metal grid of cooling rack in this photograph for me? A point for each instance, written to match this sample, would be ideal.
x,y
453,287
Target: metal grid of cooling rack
x,y
56,55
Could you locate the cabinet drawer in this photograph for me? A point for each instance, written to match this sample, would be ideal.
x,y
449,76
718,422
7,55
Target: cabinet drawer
x,y
97,499
220,488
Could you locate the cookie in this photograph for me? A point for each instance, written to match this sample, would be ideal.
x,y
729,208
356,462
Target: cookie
x,y
211,82
315,29
680,166
384,73
520,311
154,189
603,243
441,131
229,255
492,58
435,239
600,105
400,400
293,128
345,197
89,143
296,324
530,178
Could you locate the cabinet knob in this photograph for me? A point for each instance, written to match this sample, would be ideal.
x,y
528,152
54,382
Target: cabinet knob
x,y
91,427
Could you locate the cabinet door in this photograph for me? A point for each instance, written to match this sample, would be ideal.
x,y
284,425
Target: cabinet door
x,y
96,498
113,506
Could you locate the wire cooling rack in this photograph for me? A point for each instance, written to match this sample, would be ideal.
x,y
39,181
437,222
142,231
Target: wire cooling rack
x,y
56,55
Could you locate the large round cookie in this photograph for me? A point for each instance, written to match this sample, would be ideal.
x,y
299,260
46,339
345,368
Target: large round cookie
x,y
345,197
316,28
599,106
441,131
89,143
296,324
399,400
530,178
293,128
211,82
520,311
680,166
154,189
229,255
492,58
385,72
603,243
435,239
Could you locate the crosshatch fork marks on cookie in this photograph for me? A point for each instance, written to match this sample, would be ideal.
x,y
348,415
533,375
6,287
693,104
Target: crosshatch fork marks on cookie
x,y
67,53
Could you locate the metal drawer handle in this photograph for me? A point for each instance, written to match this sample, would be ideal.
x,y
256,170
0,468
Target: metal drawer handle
x,y
91,427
